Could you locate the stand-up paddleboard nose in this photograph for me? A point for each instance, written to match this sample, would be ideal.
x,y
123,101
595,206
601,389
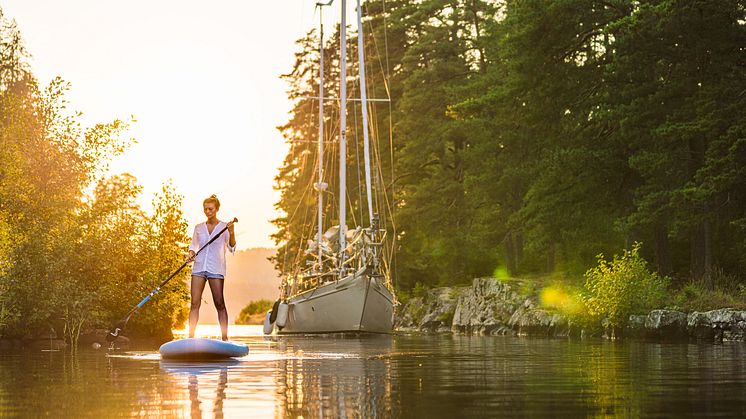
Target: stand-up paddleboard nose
x,y
202,349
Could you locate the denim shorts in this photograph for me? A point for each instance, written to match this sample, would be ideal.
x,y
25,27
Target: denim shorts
x,y
208,275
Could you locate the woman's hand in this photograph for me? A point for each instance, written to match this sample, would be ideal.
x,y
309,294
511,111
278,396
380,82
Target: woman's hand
x,y
231,234
191,256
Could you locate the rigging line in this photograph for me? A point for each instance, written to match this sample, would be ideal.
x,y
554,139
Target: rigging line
x,y
308,232
288,245
377,157
374,138
386,80
336,99
386,41
385,73
357,157
389,206
292,218
380,63
394,235
356,86
371,108
300,254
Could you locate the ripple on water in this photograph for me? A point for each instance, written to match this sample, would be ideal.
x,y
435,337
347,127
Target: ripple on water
x,y
385,376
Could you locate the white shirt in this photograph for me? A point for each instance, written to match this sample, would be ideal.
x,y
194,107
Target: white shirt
x,y
212,258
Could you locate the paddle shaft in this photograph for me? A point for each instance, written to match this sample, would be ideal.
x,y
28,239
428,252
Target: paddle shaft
x,y
114,333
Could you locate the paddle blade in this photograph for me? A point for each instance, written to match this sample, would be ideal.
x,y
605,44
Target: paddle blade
x,y
116,330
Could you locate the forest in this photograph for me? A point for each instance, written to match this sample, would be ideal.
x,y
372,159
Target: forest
x,y
525,138
76,249
510,138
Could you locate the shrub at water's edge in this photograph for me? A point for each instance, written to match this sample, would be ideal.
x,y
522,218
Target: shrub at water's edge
x,y
620,297
76,249
616,289
254,312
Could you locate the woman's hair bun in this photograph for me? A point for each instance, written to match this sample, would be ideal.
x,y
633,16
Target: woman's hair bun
x,y
212,199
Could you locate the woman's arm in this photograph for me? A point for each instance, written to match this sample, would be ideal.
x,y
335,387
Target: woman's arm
x,y
232,238
194,246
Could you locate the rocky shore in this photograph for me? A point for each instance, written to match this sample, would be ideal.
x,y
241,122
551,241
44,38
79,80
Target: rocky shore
x,y
493,307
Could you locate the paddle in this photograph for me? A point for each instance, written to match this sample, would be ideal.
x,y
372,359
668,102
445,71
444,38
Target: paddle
x,y
119,327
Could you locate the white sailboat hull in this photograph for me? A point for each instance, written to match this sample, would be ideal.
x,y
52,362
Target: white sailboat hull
x,y
357,303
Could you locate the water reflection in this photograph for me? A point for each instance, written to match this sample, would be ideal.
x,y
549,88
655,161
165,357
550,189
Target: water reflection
x,y
335,376
205,372
386,376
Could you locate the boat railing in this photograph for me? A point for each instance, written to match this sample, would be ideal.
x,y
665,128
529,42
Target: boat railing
x,y
364,249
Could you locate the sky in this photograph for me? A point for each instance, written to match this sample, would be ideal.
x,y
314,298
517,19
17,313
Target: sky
x,y
201,80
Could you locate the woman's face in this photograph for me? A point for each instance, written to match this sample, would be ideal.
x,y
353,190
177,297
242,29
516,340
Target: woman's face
x,y
210,209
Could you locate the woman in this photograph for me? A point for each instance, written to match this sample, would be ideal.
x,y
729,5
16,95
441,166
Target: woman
x,y
209,265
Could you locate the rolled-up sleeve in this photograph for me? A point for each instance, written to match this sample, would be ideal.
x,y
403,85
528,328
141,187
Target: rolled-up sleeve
x,y
232,249
194,246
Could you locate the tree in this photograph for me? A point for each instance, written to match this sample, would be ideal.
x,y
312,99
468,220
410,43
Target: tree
x,y
676,82
75,247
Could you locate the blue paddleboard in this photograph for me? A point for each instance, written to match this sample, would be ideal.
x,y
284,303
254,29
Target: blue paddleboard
x,y
198,348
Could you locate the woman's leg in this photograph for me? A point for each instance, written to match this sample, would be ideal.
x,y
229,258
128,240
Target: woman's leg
x,y
216,287
198,285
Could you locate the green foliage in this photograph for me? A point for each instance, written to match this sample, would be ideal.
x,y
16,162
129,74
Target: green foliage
x,y
696,296
532,135
76,250
417,310
446,317
253,308
614,290
419,290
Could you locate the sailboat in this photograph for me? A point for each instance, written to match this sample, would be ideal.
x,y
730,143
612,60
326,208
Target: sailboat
x,y
348,286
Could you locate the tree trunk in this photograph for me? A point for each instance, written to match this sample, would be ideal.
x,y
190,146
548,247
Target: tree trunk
x,y
510,255
518,249
551,257
662,250
696,259
707,256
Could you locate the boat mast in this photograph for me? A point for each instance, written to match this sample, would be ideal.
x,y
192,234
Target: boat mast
x,y
364,106
321,135
342,139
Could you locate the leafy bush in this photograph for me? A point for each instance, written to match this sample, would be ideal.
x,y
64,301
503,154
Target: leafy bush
x,y
419,290
614,290
694,296
252,309
80,251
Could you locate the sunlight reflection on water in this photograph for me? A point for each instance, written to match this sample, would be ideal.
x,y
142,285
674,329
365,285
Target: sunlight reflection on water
x,y
384,376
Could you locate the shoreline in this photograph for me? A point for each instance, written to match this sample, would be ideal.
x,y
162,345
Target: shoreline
x,y
493,307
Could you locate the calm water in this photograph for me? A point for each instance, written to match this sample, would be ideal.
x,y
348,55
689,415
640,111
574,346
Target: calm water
x,y
386,376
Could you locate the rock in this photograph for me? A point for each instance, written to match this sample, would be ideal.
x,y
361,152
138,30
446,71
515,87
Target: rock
x,y
636,325
493,307
538,322
668,324
725,324
432,312
485,308
439,309
409,315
